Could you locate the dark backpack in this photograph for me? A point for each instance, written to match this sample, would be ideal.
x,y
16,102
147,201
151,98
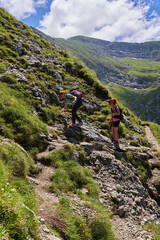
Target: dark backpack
x,y
121,114
76,93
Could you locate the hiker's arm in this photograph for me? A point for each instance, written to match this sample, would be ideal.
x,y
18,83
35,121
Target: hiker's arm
x,y
65,105
75,98
63,109
117,113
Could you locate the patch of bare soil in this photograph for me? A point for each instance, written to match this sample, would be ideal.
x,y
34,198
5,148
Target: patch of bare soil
x,y
46,200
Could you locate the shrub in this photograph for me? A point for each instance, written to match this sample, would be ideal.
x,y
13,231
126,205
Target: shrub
x,y
18,160
8,78
98,228
2,67
134,143
129,155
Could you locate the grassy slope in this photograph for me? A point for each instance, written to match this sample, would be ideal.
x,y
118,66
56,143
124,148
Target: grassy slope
x,y
139,101
20,125
97,55
100,58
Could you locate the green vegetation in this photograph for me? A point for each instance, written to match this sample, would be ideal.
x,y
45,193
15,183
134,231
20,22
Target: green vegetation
x,y
28,110
78,228
155,129
113,63
70,177
17,119
137,100
155,229
17,202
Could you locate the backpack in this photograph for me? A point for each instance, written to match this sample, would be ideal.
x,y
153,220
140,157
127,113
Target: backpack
x,y
76,93
121,114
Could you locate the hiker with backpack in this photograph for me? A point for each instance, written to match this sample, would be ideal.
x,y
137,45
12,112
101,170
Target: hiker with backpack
x,y
115,120
74,97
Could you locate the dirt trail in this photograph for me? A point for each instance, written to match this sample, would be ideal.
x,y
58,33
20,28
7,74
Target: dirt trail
x,y
45,200
152,138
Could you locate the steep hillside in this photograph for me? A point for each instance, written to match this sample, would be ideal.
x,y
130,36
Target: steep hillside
x,y
130,65
59,182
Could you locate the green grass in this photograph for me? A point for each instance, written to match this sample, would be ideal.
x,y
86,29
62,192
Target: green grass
x,y
17,199
17,119
156,130
70,177
155,229
24,120
137,100
78,228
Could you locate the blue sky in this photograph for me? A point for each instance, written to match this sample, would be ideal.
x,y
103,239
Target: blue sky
x,y
111,20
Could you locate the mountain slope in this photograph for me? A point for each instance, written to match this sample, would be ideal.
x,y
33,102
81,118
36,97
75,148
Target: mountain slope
x,y
122,63
88,176
130,65
144,103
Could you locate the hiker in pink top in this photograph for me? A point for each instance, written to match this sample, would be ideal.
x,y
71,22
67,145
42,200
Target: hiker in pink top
x,y
115,120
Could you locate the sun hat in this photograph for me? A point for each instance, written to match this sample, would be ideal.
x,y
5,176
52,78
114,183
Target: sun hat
x,y
61,92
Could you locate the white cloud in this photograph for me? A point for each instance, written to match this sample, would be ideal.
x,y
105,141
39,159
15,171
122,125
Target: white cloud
x,y
112,20
21,8
103,19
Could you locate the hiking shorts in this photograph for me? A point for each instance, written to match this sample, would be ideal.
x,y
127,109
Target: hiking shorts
x,y
116,124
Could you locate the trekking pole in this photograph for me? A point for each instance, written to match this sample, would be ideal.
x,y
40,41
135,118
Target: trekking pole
x,y
87,122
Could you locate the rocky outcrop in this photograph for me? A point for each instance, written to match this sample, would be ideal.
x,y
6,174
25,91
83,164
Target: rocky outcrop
x,y
130,200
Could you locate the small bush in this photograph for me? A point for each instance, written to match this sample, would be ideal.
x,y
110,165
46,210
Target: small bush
x,y
8,78
98,228
134,143
129,155
2,67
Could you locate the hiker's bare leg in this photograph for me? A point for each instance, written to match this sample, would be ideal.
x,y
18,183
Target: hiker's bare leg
x,y
112,132
116,136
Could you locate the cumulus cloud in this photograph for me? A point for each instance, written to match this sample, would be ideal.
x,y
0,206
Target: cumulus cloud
x,y
21,8
111,20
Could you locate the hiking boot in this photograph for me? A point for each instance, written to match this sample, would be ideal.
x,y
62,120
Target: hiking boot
x,y
80,124
72,125
116,143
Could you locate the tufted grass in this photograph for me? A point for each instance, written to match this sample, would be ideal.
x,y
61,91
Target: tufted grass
x,y
17,199
70,178
155,229
156,130
17,119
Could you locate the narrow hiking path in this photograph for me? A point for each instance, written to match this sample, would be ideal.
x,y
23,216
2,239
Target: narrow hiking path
x,y
45,200
152,138
154,182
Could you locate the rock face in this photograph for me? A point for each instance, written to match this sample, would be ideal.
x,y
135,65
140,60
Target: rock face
x,y
130,200
122,190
